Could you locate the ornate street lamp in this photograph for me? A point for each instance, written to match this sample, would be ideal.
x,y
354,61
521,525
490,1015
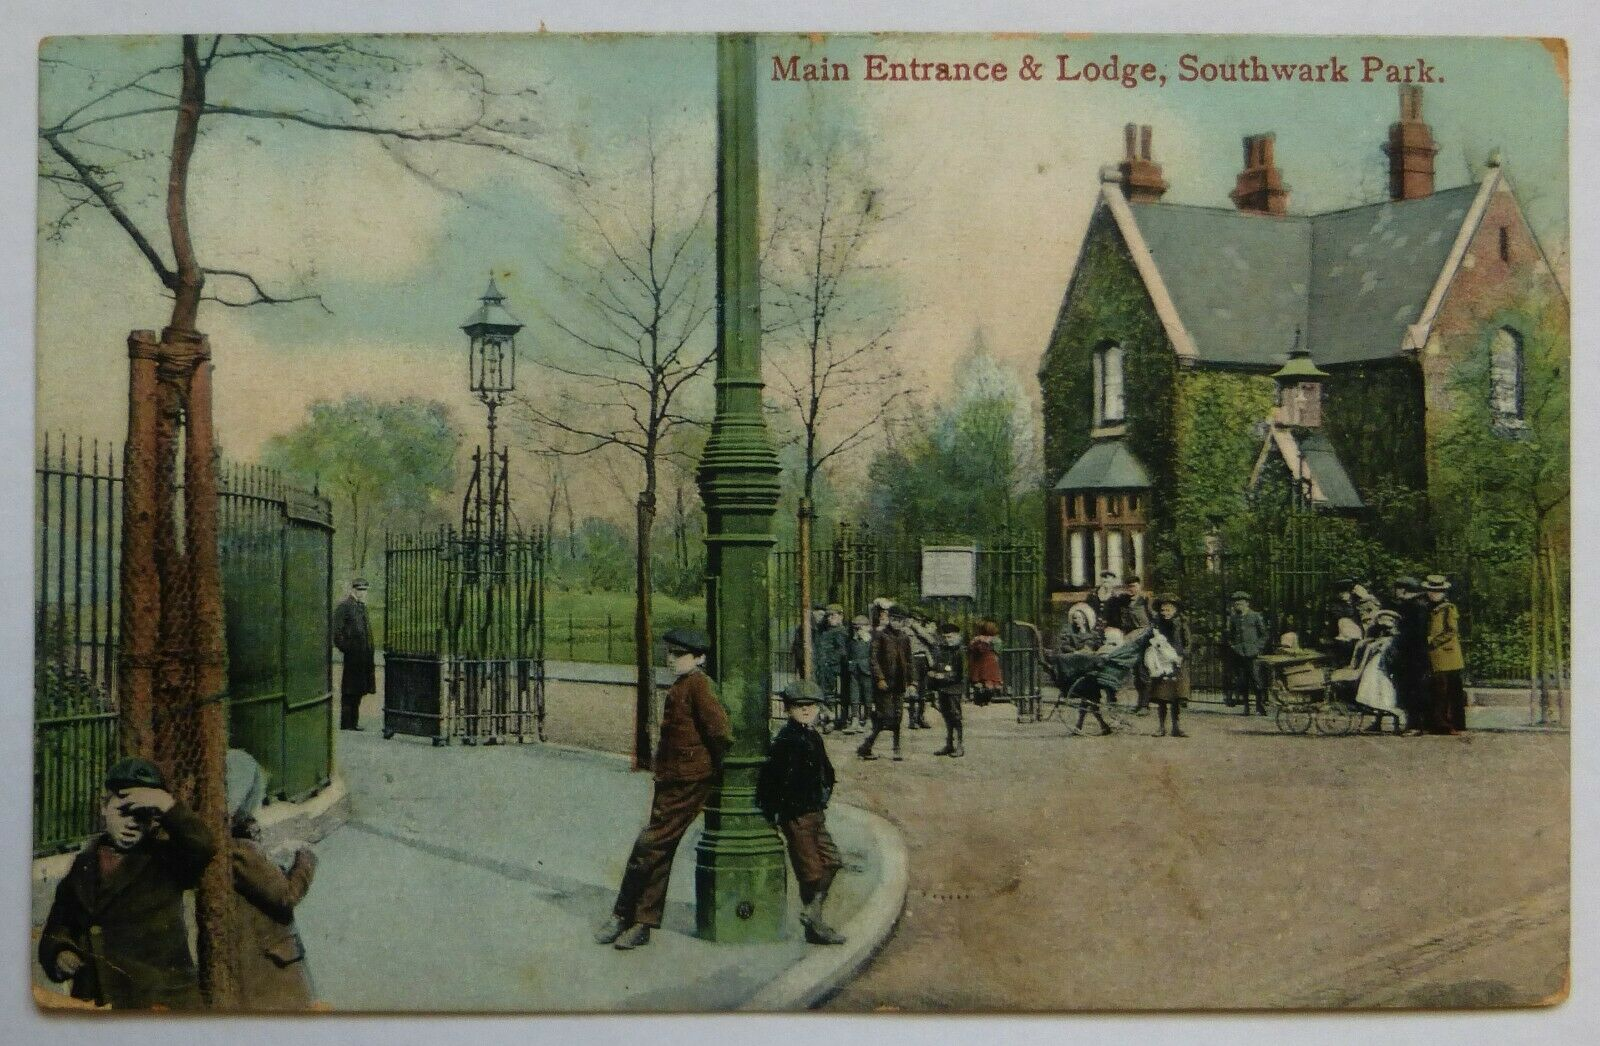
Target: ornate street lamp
x,y
491,374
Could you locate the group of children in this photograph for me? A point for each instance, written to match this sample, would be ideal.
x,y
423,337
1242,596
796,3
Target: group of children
x,y
117,930
884,669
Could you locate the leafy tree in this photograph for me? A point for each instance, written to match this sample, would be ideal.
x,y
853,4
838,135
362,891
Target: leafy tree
x,y
969,469
383,462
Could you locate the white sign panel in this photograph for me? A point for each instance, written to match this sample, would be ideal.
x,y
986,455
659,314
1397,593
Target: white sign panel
x,y
949,571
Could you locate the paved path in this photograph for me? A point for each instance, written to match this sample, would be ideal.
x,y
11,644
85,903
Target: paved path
x,y
472,878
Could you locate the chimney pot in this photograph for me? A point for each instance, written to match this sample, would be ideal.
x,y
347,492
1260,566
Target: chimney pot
x,y
1139,173
1411,149
1259,188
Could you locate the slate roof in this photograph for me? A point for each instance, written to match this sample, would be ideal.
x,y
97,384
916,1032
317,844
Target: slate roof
x,y
1352,280
1327,472
1107,465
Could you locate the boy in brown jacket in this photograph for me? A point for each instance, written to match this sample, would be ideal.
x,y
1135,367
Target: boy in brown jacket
x,y
695,734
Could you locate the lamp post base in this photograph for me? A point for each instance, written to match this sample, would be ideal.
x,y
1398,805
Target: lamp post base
x,y
740,878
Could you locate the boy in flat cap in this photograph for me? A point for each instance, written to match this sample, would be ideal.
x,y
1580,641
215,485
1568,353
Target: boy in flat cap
x,y
116,929
793,791
857,674
695,734
893,674
947,676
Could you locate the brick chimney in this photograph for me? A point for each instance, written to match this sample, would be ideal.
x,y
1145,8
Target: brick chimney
x,y
1411,149
1260,187
1141,176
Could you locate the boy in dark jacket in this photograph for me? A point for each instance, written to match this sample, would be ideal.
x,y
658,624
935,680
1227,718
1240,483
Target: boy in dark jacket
x,y
793,790
116,929
947,676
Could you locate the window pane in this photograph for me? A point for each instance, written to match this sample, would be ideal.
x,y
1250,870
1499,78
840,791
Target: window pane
x,y
1075,557
1505,374
1114,552
1113,384
1099,386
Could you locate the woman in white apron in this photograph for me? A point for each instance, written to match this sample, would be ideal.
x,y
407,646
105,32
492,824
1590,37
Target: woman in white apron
x,y
1374,687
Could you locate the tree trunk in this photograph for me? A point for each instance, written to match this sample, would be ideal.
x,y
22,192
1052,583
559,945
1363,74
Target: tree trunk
x,y
187,277
643,640
803,531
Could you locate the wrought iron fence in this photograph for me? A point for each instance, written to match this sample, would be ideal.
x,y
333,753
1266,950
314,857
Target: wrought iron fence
x,y
857,566
275,548
464,637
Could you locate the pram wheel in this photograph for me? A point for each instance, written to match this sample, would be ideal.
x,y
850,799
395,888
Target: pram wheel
x,y
1293,719
1336,717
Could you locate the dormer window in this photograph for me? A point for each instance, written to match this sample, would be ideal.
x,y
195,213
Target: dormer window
x,y
1505,377
1109,404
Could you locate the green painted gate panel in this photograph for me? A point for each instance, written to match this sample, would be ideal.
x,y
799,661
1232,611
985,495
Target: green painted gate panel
x,y
252,561
307,661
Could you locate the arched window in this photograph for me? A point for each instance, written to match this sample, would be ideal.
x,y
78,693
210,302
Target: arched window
x,y
1109,406
1505,375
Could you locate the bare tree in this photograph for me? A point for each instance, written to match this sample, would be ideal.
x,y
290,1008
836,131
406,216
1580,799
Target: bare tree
x,y
834,368
101,149
635,329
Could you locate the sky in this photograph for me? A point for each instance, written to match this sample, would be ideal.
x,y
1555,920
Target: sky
x,y
991,186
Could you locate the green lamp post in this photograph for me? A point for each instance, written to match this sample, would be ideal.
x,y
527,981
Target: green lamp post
x,y
740,879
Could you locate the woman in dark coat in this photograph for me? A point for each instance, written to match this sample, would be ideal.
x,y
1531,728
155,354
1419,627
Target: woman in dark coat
x,y
271,958
1171,690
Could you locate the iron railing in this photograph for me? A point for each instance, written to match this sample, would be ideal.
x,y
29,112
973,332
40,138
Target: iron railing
x,y
275,546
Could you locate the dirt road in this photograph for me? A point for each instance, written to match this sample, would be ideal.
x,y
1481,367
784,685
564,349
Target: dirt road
x,y
1235,868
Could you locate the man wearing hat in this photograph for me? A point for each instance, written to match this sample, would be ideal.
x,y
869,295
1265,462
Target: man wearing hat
x,y
695,734
116,929
1134,611
352,635
1105,599
1410,663
793,790
1244,638
1444,655
828,653
857,671
892,676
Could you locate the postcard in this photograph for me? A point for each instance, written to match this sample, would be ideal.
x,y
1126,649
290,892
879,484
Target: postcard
x,y
912,523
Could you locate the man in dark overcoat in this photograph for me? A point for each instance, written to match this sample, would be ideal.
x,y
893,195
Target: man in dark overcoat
x,y
1244,639
352,637
793,790
116,929
892,675
695,735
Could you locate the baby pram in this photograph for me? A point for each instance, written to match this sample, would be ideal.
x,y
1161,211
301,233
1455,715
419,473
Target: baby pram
x,y
1088,683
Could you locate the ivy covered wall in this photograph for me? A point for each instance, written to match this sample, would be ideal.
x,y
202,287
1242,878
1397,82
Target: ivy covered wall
x,y
1107,301
1374,417
1217,446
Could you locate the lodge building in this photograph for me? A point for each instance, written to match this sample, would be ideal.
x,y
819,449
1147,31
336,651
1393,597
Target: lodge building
x,y
1200,352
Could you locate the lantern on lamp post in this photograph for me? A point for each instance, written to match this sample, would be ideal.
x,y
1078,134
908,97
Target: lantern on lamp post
x,y
491,374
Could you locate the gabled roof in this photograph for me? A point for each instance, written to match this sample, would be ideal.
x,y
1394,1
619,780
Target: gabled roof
x,y
1107,465
1232,287
1311,456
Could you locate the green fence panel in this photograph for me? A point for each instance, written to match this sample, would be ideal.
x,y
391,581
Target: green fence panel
x,y
252,561
308,664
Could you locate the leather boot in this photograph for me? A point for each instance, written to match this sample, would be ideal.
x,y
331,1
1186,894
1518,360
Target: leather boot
x,y
817,929
633,937
949,742
961,748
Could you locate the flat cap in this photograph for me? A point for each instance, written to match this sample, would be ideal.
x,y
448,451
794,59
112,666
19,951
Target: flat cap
x,y
802,692
691,639
134,772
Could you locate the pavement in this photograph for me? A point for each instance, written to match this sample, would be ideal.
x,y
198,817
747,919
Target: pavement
x,y
471,879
